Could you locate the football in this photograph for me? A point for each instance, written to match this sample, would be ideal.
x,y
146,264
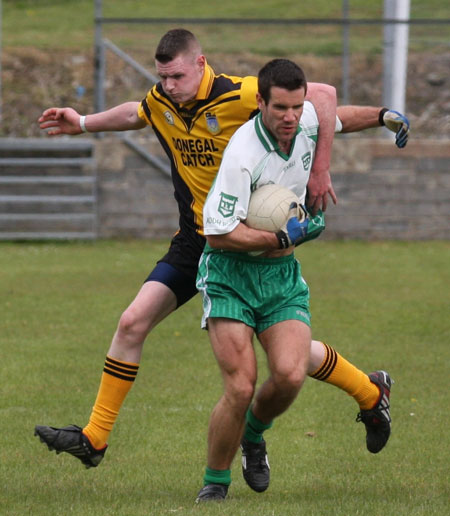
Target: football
x,y
269,207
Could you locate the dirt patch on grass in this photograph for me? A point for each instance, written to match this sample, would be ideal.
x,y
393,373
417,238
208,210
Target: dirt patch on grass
x,y
33,80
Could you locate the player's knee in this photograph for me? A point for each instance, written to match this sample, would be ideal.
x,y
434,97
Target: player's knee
x,y
290,379
131,326
295,380
240,391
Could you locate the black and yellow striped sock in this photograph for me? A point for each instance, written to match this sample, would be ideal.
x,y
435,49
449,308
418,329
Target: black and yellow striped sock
x,y
117,380
337,371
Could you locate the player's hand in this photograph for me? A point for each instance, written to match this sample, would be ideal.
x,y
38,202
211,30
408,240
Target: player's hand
x,y
60,121
398,124
296,227
318,189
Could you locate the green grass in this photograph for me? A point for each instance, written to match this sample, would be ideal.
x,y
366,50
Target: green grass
x,y
69,24
379,304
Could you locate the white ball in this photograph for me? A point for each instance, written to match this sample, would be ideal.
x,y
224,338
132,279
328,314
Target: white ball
x,y
269,207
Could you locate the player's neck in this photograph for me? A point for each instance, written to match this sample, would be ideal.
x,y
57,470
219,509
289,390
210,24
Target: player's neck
x,y
285,146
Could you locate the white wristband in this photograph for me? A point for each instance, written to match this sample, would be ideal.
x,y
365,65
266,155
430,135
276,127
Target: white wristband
x,y
83,124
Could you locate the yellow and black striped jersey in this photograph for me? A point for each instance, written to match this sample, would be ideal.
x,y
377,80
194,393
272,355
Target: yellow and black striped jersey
x,y
195,135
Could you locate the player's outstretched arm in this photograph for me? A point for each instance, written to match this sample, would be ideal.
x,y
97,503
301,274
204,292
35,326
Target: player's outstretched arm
x,y
323,96
66,120
358,118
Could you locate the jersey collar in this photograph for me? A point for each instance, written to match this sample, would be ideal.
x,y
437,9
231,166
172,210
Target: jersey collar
x,y
206,84
268,141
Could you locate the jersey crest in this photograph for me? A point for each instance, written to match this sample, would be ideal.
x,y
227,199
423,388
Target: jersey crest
x,y
306,159
227,204
212,123
169,117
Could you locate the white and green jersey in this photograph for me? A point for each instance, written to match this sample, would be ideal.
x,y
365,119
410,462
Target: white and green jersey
x,y
252,159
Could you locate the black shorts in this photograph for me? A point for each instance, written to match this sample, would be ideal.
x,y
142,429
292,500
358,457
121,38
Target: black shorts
x,y
177,269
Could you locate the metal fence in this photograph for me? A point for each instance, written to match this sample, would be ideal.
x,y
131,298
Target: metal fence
x,y
392,20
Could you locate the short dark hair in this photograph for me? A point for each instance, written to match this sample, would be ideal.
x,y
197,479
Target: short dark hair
x,y
282,73
174,43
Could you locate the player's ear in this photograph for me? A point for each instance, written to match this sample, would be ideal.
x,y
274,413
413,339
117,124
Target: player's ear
x,y
260,100
201,61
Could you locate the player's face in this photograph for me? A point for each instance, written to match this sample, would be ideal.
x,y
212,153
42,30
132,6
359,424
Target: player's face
x,y
282,113
181,77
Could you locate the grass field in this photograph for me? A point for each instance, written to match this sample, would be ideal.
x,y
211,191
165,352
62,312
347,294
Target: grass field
x,y
69,24
382,305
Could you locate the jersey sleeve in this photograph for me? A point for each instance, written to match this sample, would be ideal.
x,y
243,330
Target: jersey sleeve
x,y
309,116
309,121
144,112
249,89
227,201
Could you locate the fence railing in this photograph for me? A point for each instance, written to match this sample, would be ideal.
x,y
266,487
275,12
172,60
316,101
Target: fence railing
x,y
48,189
345,22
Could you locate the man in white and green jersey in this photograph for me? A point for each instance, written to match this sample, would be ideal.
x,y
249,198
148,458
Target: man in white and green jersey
x,y
244,294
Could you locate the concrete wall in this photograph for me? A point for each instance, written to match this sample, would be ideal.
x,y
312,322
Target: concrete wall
x,y
135,200
390,193
383,192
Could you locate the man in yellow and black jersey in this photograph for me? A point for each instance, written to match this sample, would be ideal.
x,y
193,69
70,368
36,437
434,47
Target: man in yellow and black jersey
x,y
194,112
194,134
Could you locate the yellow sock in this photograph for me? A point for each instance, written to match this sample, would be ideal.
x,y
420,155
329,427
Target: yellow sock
x,y
117,380
341,373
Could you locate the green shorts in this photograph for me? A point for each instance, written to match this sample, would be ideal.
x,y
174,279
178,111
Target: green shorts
x,y
257,291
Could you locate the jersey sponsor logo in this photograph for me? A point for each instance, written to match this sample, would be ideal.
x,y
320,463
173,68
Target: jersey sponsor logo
x,y
169,117
213,221
290,165
306,158
227,204
212,123
196,151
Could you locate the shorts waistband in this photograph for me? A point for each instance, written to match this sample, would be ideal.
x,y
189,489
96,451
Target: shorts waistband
x,y
244,257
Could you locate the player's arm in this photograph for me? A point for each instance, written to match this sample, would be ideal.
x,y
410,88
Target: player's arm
x,y
68,121
358,118
227,231
323,97
244,238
